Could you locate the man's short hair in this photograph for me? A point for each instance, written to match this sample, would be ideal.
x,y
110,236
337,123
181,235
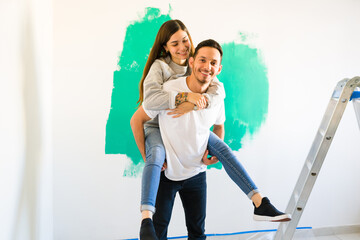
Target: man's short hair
x,y
208,43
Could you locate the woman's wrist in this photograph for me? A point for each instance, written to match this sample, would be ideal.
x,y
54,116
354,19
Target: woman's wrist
x,y
180,98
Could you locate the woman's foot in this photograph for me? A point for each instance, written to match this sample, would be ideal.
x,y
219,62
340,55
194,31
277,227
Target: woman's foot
x,y
267,212
147,230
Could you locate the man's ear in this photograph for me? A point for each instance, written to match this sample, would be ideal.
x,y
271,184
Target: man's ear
x,y
219,71
191,62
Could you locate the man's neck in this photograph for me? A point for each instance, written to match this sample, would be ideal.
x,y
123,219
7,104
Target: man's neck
x,y
195,86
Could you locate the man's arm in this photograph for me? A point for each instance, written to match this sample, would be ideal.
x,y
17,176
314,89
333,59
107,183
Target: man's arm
x,y
219,130
137,126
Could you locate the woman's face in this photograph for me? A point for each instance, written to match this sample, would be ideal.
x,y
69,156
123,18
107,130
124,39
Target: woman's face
x,y
179,47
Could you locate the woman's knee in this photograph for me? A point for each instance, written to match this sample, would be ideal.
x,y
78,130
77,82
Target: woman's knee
x,y
155,155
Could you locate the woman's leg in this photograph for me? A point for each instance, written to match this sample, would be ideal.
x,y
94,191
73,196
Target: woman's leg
x,y
155,157
264,210
232,165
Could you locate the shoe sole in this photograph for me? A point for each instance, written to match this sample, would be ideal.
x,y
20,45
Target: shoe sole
x,y
281,218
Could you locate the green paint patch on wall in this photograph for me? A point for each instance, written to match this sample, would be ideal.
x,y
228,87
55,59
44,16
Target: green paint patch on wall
x,y
247,92
139,38
244,76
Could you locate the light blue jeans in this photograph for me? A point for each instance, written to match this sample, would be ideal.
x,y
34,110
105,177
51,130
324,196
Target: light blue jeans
x,y
155,157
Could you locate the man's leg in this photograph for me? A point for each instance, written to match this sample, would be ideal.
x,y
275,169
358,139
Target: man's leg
x,y
193,197
164,205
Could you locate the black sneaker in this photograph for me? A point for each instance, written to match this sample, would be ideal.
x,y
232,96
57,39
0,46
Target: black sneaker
x,y
267,212
147,230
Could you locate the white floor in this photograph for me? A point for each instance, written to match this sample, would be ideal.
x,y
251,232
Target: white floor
x,y
351,232
350,236
331,233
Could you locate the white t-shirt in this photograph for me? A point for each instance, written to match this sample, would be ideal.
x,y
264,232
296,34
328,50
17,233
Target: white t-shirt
x,y
185,138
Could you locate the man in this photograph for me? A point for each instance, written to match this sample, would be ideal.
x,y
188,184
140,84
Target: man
x,y
185,140
185,171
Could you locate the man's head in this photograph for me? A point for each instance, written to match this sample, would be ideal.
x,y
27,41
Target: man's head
x,y
208,43
206,62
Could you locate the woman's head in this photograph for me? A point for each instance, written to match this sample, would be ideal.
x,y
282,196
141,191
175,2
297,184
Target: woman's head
x,y
174,40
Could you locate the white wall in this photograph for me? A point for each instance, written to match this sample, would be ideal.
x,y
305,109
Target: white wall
x,y
307,46
25,120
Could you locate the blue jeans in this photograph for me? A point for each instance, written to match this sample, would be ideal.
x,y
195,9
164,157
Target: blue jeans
x,y
155,157
192,192
232,165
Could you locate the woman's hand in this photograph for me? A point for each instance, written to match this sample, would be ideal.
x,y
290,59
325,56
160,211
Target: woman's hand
x,y
164,166
198,99
182,109
209,161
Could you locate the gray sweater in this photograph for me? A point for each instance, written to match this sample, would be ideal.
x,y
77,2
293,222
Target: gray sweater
x,y
162,70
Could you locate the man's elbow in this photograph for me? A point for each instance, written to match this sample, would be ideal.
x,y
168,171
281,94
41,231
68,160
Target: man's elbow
x,y
219,130
219,127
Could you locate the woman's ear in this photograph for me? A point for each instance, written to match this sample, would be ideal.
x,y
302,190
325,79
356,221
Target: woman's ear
x,y
166,48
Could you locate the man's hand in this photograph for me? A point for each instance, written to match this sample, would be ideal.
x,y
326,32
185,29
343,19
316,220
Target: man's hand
x,y
182,109
209,161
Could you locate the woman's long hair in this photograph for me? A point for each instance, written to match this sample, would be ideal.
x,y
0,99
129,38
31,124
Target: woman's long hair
x,y
158,51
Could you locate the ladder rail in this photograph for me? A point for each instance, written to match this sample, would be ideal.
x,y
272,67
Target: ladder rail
x,y
316,156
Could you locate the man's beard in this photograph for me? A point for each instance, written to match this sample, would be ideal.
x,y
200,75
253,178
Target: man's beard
x,y
201,81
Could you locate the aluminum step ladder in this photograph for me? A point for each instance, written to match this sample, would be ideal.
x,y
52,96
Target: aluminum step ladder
x,y
342,94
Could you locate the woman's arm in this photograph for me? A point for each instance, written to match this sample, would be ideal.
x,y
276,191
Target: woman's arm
x,y
214,95
155,98
195,98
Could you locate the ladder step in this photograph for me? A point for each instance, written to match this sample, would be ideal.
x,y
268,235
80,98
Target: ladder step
x,y
356,104
356,94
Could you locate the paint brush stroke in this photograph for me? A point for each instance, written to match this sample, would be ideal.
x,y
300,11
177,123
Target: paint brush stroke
x,y
247,92
139,38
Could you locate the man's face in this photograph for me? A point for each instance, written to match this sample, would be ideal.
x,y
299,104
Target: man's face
x,y
206,65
